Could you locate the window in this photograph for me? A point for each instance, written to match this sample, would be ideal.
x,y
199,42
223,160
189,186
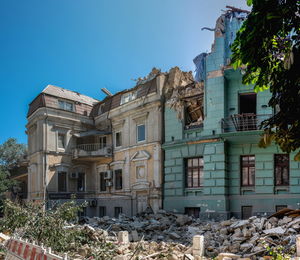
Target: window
x,y
102,181
61,140
118,179
82,213
118,139
281,169
128,97
65,105
118,211
102,142
194,212
246,212
62,181
141,133
81,181
194,172
248,170
102,211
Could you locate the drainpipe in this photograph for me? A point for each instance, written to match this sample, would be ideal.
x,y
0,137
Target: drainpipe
x,y
162,102
45,161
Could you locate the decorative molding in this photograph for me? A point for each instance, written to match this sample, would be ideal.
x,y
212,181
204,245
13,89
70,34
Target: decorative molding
x,y
140,156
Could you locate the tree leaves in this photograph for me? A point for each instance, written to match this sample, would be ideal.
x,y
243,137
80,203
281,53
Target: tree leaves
x,y
268,44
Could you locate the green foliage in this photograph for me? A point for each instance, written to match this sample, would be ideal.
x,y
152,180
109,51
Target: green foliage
x,y
54,228
279,252
10,154
268,44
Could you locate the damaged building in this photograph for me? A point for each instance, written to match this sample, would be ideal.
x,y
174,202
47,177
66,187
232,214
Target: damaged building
x,y
213,166
107,152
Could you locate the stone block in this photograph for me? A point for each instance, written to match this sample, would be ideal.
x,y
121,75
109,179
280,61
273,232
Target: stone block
x,y
198,245
123,237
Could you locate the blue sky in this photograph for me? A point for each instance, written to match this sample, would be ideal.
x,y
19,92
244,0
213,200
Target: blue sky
x,y
84,45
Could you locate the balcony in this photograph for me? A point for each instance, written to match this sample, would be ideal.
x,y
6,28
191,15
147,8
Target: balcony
x,y
92,151
243,122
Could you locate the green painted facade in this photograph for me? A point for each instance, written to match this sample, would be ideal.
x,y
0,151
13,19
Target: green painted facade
x,y
221,195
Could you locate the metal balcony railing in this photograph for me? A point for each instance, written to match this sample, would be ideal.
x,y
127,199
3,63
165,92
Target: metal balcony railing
x,y
243,122
92,150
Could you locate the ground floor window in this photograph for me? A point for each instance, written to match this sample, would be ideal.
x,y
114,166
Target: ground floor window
x,y
82,213
280,207
246,212
192,211
81,182
281,169
62,181
118,211
194,172
102,211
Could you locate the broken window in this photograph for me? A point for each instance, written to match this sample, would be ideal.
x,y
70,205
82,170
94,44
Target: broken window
x,y
248,170
194,172
62,181
193,113
118,179
192,211
127,97
118,211
281,169
81,181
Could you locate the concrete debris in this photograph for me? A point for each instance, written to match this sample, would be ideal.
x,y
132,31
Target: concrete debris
x,y
230,239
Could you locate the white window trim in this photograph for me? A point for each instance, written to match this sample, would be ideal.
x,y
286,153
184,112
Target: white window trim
x,y
137,133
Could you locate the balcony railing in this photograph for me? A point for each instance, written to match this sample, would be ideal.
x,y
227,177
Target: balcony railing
x,y
243,122
92,150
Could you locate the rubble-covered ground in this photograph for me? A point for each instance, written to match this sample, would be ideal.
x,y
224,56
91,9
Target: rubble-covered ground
x,y
169,236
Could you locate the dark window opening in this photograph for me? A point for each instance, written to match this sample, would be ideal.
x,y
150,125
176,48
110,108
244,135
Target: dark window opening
x,y
246,212
102,181
102,142
281,169
247,103
81,182
118,139
102,211
118,211
82,212
248,170
192,211
62,181
118,179
194,172
280,207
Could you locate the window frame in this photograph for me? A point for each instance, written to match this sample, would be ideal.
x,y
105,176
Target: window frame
x,y
192,211
200,172
281,165
104,211
120,209
62,104
118,174
84,182
59,173
102,182
115,135
248,166
137,133
64,140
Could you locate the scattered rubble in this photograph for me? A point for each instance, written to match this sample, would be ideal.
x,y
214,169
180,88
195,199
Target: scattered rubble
x,y
172,234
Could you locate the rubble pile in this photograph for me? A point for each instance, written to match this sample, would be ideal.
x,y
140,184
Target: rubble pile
x,y
170,232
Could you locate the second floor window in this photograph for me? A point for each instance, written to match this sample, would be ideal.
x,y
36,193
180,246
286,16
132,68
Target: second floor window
x,y
62,181
118,179
61,140
281,168
81,181
102,181
248,170
141,133
118,139
194,172
102,142
65,105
